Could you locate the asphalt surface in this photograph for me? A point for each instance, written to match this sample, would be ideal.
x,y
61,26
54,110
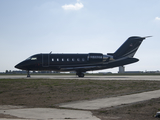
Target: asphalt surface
x,y
88,77
67,113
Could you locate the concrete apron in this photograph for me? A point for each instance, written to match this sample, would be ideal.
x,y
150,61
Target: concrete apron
x,y
113,101
48,114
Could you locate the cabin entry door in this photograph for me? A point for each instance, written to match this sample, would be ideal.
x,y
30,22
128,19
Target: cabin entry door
x,y
45,60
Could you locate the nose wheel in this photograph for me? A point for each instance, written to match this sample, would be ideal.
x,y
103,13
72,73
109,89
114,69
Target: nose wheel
x,y
80,74
28,74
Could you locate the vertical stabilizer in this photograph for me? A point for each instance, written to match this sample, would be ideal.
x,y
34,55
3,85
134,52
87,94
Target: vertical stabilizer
x,y
129,47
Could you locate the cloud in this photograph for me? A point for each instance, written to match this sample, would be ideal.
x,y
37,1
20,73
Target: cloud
x,y
77,6
157,18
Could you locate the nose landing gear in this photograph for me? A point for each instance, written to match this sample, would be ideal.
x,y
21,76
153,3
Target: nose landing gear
x,y
28,74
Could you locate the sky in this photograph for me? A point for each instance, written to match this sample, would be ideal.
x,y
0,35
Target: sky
x,y
28,27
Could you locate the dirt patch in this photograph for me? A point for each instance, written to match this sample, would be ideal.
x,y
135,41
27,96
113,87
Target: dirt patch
x,y
9,116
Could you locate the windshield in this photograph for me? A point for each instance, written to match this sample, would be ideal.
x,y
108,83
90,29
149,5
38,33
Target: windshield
x,y
28,58
32,58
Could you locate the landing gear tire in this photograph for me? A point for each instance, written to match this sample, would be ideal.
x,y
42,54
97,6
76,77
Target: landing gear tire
x,y
80,74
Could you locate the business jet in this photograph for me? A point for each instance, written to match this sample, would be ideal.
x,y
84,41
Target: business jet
x,y
80,63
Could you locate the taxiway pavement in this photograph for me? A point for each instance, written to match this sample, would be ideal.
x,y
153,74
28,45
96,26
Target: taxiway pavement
x,y
88,77
112,101
46,114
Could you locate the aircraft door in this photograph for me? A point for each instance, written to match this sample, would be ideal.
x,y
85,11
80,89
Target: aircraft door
x,y
45,60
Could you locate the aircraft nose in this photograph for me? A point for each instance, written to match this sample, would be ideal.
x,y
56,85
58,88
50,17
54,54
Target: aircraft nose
x,y
20,65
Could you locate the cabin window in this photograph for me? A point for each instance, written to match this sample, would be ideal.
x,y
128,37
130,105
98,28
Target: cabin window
x,y
72,59
33,58
78,59
68,59
83,59
52,59
62,59
57,59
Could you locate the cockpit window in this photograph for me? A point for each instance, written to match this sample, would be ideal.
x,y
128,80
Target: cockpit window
x,y
28,58
33,58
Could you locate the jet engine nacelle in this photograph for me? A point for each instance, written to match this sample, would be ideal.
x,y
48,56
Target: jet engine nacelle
x,y
99,57
107,58
95,57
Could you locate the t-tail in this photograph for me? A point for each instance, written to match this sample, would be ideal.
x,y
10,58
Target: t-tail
x,y
128,48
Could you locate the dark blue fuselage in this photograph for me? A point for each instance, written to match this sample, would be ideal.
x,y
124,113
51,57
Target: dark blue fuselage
x,y
84,62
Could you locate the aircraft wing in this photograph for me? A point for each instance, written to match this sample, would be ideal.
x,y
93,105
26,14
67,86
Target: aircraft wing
x,y
83,68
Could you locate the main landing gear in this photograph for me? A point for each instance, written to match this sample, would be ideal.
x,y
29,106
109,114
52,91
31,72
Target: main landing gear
x,y
28,74
80,74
